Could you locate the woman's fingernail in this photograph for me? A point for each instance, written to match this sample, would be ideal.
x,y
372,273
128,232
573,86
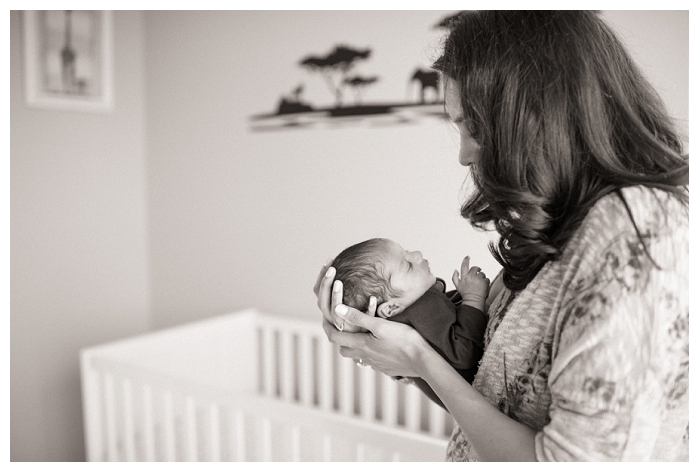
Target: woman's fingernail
x,y
372,301
337,285
341,310
330,272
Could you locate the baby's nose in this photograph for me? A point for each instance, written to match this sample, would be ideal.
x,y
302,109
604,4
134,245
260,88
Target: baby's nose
x,y
417,255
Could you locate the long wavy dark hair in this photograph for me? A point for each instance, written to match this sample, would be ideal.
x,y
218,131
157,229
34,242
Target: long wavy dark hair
x,y
563,117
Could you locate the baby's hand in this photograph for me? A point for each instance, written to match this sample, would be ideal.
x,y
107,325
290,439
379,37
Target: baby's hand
x,y
472,285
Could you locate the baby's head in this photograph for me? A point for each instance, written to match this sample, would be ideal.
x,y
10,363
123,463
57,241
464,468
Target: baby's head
x,y
383,269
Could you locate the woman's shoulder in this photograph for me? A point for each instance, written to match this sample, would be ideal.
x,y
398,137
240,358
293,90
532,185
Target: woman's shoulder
x,y
642,209
653,204
653,220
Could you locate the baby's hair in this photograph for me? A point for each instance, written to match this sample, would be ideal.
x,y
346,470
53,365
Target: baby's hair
x,y
360,268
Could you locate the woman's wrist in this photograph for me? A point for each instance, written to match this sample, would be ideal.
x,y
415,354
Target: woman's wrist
x,y
425,357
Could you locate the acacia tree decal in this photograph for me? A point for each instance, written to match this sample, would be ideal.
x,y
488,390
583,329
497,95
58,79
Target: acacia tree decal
x,y
448,21
358,83
335,66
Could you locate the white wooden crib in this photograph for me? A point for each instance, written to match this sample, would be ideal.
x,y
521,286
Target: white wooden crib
x,y
249,386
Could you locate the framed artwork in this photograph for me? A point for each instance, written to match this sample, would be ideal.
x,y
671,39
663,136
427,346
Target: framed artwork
x,y
68,59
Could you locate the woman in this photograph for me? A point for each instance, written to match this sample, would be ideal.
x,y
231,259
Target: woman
x,y
578,168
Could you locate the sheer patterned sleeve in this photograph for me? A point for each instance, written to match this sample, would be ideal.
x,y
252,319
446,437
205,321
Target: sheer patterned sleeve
x,y
620,357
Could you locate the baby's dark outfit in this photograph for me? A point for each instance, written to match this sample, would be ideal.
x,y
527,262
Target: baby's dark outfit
x,y
454,330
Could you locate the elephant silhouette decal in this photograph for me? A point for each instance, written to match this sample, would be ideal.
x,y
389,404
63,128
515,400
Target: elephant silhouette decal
x,y
429,79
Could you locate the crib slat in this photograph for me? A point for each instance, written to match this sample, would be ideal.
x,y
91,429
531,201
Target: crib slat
x,y
306,369
239,429
110,413
389,401
327,448
295,444
169,425
450,423
412,408
149,437
266,440
191,430
325,374
286,358
437,420
215,433
361,453
129,430
92,404
268,360
368,397
346,387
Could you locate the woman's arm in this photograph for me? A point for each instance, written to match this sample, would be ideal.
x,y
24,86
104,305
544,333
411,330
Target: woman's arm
x,y
427,390
493,435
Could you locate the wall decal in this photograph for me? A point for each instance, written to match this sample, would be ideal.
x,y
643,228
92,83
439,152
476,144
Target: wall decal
x,y
336,68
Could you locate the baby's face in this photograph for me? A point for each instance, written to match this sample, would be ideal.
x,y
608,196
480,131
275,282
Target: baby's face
x,y
408,272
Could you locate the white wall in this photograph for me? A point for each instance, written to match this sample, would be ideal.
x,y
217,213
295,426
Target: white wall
x,y
241,218
77,245
659,42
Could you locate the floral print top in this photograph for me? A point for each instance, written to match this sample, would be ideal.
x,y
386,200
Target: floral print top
x,y
594,353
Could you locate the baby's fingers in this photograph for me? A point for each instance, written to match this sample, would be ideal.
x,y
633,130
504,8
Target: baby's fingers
x,y
465,265
455,278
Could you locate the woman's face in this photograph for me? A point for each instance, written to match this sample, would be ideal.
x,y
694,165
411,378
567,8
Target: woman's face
x,y
468,149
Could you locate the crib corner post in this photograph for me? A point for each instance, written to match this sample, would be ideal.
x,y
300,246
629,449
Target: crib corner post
x,y
92,411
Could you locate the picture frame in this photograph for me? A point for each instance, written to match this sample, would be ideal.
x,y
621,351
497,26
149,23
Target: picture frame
x,y
68,59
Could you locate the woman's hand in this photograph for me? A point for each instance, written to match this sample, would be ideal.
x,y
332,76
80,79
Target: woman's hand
x,y
393,348
390,347
322,290
329,293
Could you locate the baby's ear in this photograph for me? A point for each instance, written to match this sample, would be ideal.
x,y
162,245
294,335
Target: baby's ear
x,y
388,309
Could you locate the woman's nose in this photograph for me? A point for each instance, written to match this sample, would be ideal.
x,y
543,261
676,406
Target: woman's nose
x,y
468,151
464,158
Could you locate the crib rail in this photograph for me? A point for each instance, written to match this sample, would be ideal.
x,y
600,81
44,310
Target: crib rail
x,y
151,417
292,397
